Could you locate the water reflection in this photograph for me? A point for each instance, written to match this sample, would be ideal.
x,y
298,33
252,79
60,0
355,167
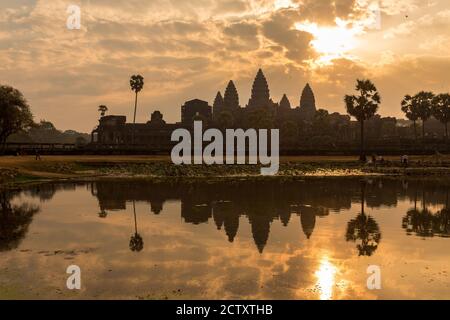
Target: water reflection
x,y
364,229
261,204
14,220
136,241
422,222
235,239
326,278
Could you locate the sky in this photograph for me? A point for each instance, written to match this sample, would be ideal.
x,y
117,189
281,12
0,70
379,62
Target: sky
x,y
191,49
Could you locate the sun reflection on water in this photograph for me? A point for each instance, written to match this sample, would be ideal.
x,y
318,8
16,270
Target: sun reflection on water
x,y
326,278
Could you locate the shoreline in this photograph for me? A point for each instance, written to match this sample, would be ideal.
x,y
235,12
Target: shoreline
x,y
16,171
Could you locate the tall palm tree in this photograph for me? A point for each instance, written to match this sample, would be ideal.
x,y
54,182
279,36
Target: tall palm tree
x,y
102,109
136,84
136,241
364,106
441,110
424,102
409,107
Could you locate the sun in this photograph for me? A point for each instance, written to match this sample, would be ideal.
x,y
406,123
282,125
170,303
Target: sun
x,y
331,42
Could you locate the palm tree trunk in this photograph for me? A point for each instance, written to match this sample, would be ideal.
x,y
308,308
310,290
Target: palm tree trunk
x,y
134,118
135,219
363,198
362,155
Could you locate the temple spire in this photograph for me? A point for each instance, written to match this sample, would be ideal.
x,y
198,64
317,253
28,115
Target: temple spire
x,y
284,103
260,92
307,101
218,104
231,97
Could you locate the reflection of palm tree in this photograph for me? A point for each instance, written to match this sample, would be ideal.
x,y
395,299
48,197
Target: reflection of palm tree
x,y
426,224
364,228
136,241
442,219
14,221
102,214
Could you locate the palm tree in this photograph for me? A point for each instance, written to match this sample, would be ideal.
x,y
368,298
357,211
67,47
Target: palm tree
x,y
409,107
364,106
441,110
102,109
136,84
424,102
136,241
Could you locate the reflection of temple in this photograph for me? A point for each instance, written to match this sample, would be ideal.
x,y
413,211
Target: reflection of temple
x,y
260,203
226,203
267,201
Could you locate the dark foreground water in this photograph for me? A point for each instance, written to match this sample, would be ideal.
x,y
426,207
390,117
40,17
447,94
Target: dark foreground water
x,y
310,239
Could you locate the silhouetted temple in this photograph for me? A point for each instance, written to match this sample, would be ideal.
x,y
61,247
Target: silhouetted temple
x,y
260,93
226,112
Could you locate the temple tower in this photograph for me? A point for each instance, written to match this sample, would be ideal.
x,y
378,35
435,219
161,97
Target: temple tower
x,y
308,102
231,97
218,105
284,103
260,92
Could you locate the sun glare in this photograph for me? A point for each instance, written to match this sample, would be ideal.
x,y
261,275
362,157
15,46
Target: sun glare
x,y
331,42
326,278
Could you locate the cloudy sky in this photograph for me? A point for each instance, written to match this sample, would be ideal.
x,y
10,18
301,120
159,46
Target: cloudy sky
x,y
191,49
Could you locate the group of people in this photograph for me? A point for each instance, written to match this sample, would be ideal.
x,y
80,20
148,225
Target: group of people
x,y
374,160
37,154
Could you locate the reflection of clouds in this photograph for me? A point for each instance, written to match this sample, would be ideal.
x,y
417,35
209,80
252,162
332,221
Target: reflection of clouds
x,y
196,261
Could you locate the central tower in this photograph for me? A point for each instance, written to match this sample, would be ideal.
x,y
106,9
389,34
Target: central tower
x,y
260,92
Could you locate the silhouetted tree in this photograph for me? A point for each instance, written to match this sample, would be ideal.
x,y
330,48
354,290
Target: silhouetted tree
x,y
136,241
136,84
15,114
424,101
364,106
410,108
441,110
365,229
102,109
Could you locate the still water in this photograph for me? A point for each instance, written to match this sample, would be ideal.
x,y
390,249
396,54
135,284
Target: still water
x,y
311,239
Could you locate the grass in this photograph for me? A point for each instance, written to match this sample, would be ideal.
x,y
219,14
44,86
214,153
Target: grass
x,y
19,170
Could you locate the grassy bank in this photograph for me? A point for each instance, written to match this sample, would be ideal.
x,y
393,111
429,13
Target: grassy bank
x,y
16,170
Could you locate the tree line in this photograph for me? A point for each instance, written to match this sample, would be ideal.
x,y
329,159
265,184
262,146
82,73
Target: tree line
x,y
421,106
